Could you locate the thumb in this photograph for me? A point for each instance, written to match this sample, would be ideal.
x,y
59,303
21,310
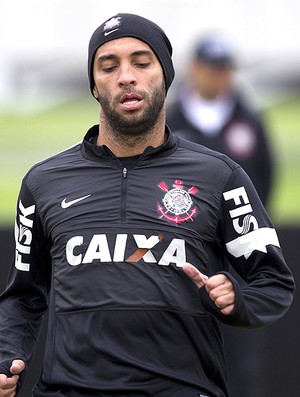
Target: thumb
x,y
17,367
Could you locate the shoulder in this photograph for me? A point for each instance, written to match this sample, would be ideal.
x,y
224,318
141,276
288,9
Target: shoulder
x,y
51,164
246,108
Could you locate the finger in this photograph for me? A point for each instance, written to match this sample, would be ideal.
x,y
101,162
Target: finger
x,y
17,367
223,301
198,277
223,289
217,281
8,383
228,309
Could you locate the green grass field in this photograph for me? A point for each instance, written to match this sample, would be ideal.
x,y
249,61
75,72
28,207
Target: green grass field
x,y
284,123
28,138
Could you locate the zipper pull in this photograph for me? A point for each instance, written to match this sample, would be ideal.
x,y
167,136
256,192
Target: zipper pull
x,y
124,172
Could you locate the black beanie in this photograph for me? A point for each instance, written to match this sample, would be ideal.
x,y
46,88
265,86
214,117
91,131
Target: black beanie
x,y
130,25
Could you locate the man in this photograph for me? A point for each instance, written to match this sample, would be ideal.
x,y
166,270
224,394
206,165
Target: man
x,y
210,110
126,237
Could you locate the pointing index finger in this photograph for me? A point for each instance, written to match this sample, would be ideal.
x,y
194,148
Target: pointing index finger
x,y
198,277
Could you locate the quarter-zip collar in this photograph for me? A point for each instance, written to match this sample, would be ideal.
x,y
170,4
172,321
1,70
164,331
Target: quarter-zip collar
x,y
93,152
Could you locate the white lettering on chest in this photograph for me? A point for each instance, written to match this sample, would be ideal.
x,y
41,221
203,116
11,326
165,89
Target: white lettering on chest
x,y
98,249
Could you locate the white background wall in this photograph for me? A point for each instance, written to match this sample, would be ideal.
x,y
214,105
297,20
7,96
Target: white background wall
x,y
42,41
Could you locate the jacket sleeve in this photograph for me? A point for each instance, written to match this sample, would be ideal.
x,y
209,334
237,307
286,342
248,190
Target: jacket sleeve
x,y
24,300
250,243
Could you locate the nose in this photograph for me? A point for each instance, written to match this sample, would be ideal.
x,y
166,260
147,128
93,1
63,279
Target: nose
x,y
126,75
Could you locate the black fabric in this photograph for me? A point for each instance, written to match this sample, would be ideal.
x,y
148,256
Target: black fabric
x,y
123,318
158,388
130,25
5,367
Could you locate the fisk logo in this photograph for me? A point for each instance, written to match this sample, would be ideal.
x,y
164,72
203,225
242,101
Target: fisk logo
x,y
23,236
241,222
127,248
244,223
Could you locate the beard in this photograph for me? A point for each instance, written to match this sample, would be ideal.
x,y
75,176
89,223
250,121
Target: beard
x,y
134,125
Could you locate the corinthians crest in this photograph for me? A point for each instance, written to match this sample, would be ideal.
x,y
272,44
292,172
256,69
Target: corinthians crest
x,y
178,204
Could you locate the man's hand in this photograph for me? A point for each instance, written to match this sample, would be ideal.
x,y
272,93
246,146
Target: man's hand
x,y
219,287
8,386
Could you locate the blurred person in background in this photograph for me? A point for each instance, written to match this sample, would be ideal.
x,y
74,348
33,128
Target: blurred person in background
x,y
210,110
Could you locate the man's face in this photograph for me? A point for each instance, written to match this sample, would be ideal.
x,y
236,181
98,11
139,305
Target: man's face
x,y
209,80
129,85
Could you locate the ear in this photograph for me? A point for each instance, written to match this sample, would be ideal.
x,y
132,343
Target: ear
x,y
95,92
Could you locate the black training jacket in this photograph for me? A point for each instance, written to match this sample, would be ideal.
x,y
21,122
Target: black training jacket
x,y
102,247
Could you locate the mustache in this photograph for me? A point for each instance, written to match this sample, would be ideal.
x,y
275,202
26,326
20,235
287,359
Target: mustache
x,y
130,91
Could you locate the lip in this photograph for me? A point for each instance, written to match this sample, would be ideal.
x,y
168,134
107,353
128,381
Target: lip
x,y
131,101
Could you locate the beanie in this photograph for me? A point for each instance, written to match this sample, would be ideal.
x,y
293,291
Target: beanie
x,y
216,51
130,25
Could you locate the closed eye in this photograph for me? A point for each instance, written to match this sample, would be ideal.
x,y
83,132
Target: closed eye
x,y
143,65
109,69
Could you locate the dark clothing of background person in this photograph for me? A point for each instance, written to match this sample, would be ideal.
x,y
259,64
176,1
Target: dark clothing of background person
x,y
243,138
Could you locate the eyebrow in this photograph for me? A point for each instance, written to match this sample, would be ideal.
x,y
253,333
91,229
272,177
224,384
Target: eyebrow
x,y
107,57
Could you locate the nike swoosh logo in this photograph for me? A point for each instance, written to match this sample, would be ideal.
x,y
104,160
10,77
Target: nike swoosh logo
x,y
67,204
107,33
